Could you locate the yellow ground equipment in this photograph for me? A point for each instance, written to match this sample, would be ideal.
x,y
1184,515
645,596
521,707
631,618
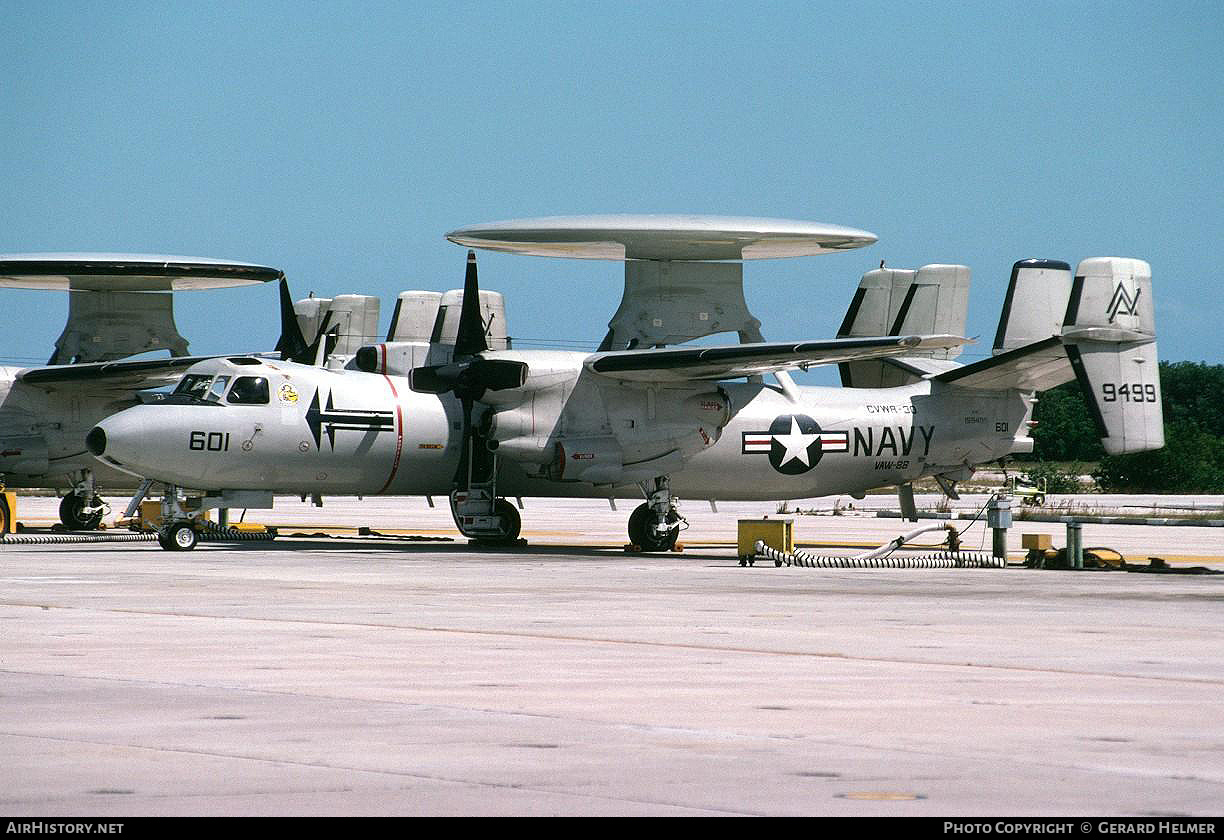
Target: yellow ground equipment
x,y
1032,495
150,516
778,534
8,511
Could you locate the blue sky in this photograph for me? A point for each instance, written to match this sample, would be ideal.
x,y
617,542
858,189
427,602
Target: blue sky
x,y
339,141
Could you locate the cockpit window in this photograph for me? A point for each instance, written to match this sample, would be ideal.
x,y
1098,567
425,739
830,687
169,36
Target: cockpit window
x,y
249,390
194,385
218,388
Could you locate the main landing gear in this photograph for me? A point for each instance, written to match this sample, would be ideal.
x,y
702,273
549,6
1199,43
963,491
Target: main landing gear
x,y
479,514
82,509
655,524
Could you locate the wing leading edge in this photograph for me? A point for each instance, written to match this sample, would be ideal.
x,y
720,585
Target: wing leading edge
x,y
678,364
110,376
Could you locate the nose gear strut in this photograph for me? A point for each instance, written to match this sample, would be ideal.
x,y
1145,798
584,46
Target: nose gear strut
x,y
655,524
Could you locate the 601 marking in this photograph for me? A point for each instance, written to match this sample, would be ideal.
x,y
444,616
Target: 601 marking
x,y
1135,392
211,441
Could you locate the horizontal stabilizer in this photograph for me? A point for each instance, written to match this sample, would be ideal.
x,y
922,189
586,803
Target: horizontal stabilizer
x,y
918,367
678,364
1035,367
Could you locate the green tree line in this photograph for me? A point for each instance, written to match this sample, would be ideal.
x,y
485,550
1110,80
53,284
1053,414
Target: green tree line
x,y
1192,460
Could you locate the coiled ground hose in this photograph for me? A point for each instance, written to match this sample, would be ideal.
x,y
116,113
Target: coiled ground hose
x,y
208,532
881,558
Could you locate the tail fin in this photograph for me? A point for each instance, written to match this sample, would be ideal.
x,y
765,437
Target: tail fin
x,y
1110,332
1097,328
930,301
1035,304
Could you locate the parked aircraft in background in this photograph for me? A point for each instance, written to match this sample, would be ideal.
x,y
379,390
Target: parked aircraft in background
x,y
120,306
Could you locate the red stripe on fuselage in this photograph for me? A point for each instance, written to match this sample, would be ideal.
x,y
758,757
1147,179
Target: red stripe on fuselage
x,y
399,430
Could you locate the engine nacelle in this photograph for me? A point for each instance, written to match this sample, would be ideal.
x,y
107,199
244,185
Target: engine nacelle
x,y
396,358
598,460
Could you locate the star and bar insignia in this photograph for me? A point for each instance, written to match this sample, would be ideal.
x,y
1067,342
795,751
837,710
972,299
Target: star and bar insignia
x,y
331,420
794,443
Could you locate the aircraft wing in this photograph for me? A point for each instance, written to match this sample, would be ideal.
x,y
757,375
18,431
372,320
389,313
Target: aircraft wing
x,y
108,377
678,364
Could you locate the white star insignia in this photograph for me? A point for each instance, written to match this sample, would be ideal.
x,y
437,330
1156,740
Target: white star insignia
x,y
796,443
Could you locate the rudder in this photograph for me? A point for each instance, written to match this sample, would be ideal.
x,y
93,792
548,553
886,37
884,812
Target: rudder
x,y
890,301
1110,333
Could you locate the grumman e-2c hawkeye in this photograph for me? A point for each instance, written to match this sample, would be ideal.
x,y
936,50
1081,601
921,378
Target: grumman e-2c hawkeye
x,y
120,308
434,410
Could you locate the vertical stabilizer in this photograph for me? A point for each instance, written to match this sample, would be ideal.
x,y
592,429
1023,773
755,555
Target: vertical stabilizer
x,y
1110,332
1035,304
891,301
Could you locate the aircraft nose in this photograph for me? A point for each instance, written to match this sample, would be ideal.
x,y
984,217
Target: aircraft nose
x,y
95,441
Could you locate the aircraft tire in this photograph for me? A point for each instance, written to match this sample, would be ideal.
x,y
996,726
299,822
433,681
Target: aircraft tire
x,y
178,536
6,517
514,524
641,532
70,513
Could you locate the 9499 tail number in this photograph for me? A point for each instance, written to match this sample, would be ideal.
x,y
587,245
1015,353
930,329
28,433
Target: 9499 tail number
x,y
1130,392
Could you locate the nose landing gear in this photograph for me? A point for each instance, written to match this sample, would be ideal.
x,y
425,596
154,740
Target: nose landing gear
x,y
178,533
178,536
655,524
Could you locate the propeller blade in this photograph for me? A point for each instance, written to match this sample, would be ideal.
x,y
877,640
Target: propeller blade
x,y
429,380
469,378
291,344
465,445
470,337
498,374
312,355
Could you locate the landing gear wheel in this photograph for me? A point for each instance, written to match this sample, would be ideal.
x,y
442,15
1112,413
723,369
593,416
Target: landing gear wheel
x,y
642,533
510,515
512,523
71,512
5,516
178,536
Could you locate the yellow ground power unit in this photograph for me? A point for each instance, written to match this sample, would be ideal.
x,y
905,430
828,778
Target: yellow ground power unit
x,y
778,534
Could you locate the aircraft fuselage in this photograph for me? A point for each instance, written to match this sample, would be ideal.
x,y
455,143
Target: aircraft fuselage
x,y
348,432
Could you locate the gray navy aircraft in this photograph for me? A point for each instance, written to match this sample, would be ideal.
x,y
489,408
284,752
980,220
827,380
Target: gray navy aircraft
x,y
446,406
120,309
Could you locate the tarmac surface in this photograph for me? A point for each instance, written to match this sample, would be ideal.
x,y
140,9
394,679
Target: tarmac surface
x,y
363,676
